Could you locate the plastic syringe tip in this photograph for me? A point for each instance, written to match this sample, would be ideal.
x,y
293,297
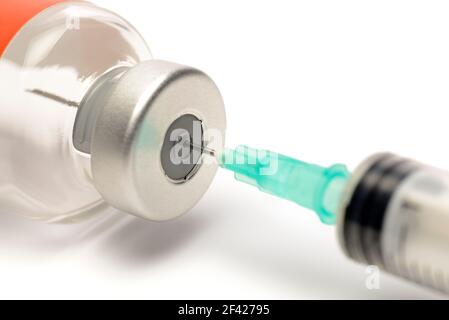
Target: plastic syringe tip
x,y
311,186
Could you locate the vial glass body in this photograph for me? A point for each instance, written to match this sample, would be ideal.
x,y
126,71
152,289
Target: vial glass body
x,y
47,70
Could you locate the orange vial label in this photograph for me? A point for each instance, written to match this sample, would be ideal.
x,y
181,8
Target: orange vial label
x,y
14,14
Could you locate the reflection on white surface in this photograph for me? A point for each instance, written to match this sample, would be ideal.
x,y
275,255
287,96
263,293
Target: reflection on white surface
x,y
223,248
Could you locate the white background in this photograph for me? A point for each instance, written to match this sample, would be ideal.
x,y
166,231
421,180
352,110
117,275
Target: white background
x,y
324,81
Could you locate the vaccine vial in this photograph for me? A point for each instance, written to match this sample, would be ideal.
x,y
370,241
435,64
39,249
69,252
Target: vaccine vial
x,y
396,216
89,120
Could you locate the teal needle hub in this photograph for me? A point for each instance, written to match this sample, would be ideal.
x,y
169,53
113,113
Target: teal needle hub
x,y
310,186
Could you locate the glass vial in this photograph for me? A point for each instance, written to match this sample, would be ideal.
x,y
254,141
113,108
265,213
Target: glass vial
x,y
86,114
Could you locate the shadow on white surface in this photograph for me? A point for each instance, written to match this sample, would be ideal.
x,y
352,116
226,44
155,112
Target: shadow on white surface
x,y
138,243
275,259
133,239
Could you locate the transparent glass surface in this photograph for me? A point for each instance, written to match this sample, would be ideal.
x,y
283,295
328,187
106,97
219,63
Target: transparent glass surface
x,y
45,74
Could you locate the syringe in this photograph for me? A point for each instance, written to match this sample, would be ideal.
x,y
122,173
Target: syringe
x,y
392,212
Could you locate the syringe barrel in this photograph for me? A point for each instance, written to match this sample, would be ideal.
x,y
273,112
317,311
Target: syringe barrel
x,y
395,215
